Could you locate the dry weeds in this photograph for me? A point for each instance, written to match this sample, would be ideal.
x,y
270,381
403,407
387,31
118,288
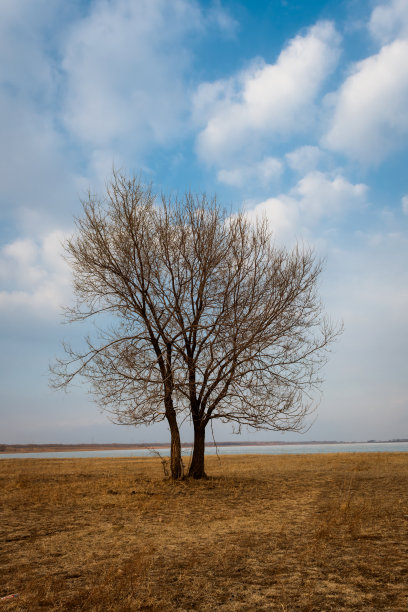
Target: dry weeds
x,y
305,532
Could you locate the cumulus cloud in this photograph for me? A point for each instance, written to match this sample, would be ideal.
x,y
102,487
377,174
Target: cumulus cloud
x,y
263,172
370,117
265,99
34,277
389,21
320,195
317,196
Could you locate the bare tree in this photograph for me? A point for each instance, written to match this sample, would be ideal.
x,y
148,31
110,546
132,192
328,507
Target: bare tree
x,y
203,316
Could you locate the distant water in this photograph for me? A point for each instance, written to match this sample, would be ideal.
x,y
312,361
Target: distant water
x,y
281,449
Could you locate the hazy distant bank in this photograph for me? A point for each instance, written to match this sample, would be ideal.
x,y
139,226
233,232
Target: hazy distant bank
x,y
60,448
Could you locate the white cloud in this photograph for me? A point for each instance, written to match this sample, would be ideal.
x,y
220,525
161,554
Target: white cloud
x,y
264,172
317,196
320,195
109,75
36,172
35,279
265,99
25,41
304,159
124,65
22,251
404,204
37,169
282,214
370,118
389,21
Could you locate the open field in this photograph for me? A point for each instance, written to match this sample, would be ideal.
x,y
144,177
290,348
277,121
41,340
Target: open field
x,y
296,532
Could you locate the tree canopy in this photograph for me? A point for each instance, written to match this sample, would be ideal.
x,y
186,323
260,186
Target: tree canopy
x,y
202,315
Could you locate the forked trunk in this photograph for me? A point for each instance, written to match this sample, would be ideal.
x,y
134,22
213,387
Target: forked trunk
x,y
196,469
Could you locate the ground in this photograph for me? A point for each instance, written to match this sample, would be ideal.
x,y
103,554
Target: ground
x,y
295,532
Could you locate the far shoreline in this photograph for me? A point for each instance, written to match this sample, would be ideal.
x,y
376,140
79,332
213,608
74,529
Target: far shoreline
x,y
48,448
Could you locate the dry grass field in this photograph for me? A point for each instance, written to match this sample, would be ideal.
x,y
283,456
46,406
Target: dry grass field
x,y
304,532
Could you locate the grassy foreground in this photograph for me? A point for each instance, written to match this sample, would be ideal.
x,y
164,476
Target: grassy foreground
x,y
304,532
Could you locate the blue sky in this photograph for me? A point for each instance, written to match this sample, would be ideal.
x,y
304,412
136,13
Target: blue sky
x,y
297,110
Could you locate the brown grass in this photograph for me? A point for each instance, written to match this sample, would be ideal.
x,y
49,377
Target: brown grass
x,y
305,532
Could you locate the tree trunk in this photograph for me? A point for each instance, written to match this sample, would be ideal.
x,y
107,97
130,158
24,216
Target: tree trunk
x,y
176,466
197,462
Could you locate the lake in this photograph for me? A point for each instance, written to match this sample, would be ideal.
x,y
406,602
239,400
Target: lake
x,y
281,449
